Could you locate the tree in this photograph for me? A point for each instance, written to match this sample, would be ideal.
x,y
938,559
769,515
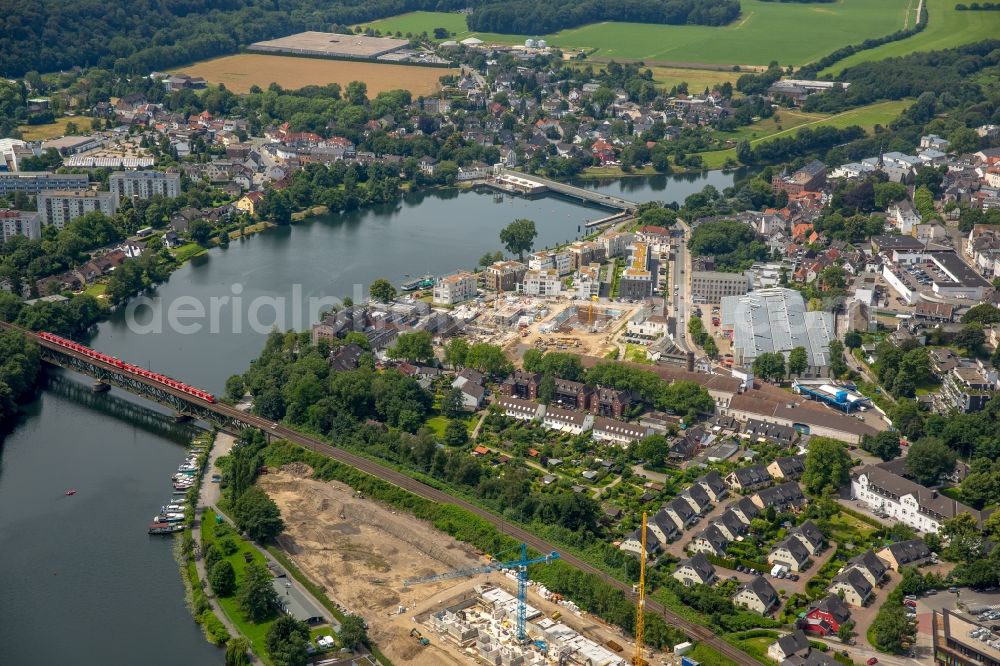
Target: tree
x,y
455,352
547,388
770,365
885,444
845,631
907,418
286,641
852,340
353,633
837,365
235,389
258,598
654,450
971,338
890,628
798,361
200,231
964,538
452,404
417,347
257,515
456,433
237,652
223,578
928,460
984,313
488,359
828,466
381,290
519,237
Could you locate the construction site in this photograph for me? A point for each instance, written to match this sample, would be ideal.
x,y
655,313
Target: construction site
x,y
429,599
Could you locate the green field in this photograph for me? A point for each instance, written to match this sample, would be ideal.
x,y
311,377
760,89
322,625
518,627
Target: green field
x,y
866,117
791,33
946,28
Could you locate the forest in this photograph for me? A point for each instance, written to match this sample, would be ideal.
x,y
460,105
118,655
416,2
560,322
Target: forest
x,y
525,17
734,245
19,367
146,35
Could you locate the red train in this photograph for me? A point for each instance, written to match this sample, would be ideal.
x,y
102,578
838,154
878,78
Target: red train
x,y
141,372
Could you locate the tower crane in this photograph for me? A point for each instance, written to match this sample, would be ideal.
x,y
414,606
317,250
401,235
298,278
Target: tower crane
x,y
520,565
640,604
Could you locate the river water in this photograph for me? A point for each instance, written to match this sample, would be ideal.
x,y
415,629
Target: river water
x,y
82,582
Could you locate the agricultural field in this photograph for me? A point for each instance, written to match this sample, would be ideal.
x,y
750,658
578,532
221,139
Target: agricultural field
x,y
791,33
791,121
946,28
240,72
697,79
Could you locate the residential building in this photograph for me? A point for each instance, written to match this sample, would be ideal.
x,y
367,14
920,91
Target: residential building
x,y
824,617
731,525
638,280
695,571
905,553
856,589
20,223
809,178
60,207
789,645
711,540
541,282
776,320
35,182
455,288
618,432
473,395
587,282
713,485
585,253
570,394
967,388
712,286
745,509
810,536
503,275
789,552
522,410
870,565
663,526
893,496
567,421
250,202
610,402
696,496
681,513
144,184
745,479
787,468
903,217
782,497
633,543
560,262
616,243
345,357
522,384
757,595
764,431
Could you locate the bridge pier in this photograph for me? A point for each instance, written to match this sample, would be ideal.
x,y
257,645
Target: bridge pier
x,y
181,418
100,387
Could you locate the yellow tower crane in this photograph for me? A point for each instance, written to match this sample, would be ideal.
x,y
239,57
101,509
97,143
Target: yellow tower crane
x,y
640,604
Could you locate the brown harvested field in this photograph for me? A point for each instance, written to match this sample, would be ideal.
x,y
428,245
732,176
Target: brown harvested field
x,y
240,72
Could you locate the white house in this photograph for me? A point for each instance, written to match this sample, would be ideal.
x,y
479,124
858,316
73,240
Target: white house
x,y
455,288
541,282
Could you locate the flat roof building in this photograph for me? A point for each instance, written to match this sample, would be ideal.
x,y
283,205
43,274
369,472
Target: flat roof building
x,y
331,45
61,207
33,182
144,184
20,223
638,280
776,320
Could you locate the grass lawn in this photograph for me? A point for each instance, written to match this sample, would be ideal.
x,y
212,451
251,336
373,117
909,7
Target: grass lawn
x,y
845,528
438,423
946,28
255,633
635,353
791,33
96,290
865,116
954,493
52,130
707,656
185,252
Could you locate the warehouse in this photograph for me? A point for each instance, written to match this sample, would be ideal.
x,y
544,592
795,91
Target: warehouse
x,y
331,45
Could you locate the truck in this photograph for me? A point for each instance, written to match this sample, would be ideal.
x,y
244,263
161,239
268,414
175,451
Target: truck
x,y
778,569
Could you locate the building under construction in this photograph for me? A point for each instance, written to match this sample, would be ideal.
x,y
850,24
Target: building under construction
x,y
484,627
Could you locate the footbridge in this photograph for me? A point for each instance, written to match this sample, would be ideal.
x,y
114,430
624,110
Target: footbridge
x,y
585,195
201,405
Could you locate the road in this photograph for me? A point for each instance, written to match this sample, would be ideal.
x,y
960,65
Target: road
x,y
677,279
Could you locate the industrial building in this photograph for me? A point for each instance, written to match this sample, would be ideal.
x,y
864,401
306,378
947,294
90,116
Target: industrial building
x,y
839,396
144,184
776,320
709,286
331,45
63,206
961,642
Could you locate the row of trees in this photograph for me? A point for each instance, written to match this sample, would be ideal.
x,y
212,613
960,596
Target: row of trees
x,y
523,17
19,367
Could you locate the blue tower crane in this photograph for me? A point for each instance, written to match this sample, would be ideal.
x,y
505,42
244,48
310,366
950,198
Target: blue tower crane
x,y
520,565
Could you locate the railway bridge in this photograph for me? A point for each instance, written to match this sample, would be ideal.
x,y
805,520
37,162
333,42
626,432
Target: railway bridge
x,y
201,405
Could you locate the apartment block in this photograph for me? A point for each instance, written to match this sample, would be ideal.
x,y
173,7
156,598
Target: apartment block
x,y
63,206
34,182
503,275
544,282
455,288
144,184
20,223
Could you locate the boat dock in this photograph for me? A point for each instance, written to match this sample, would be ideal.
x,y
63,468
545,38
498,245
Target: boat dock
x,y
515,182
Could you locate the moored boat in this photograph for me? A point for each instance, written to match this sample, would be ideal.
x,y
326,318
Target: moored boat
x,y
165,528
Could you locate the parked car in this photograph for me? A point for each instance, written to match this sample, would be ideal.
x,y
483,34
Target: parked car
x,y
872,661
953,590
